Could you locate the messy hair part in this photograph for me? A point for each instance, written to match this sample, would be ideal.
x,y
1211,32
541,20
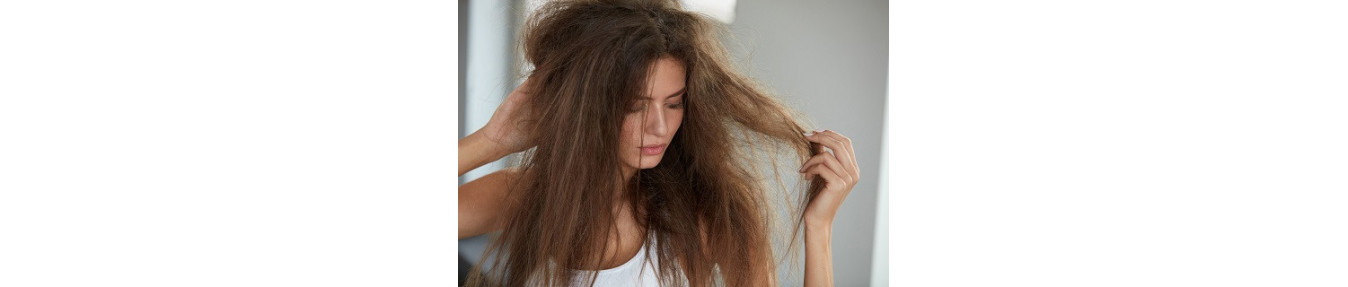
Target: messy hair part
x,y
706,206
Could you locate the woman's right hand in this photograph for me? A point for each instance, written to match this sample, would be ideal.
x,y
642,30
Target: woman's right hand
x,y
506,128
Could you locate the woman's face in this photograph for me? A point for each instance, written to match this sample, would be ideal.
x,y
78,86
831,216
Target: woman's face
x,y
653,120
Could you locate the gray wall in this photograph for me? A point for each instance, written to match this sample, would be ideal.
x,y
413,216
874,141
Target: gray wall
x,y
828,59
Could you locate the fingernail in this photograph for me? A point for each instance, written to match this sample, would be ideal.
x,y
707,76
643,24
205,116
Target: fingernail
x,y
818,131
809,133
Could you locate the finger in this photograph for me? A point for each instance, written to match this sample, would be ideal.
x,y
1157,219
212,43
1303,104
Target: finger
x,y
818,137
525,89
825,159
838,168
840,145
529,83
825,172
848,156
817,159
827,139
846,142
831,179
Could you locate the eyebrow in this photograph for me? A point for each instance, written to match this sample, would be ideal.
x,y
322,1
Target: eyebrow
x,y
679,93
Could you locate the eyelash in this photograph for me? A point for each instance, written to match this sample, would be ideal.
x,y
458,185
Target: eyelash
x,y
638,108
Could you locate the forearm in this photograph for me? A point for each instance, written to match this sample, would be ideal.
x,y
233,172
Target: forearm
x,y
475,151
818,254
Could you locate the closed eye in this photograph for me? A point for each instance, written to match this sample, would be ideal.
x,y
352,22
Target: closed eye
x,y
677,104
641,102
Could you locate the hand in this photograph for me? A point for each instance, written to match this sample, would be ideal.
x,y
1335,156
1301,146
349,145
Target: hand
x,y
506,128
839,170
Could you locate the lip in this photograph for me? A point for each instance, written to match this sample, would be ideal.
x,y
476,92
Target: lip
x,y
653,149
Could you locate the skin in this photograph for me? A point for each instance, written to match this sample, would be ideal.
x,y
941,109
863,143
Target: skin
x,y
655,118
652,121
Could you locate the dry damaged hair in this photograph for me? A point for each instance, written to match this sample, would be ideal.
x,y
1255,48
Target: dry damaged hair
x,y
707,205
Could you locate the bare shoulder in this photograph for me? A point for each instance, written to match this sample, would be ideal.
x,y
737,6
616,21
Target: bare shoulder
x,y
482,200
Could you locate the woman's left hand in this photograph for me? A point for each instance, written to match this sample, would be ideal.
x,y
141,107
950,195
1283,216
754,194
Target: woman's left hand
x,y
839,171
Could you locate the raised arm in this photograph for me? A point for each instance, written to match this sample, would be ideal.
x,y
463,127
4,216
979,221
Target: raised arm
x,y
838,169
504,133
481,200
475,150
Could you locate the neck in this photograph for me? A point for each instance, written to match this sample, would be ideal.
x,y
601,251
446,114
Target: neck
x,y
627,172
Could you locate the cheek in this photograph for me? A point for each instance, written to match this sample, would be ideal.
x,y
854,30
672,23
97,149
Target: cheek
x,y
629,133
675,120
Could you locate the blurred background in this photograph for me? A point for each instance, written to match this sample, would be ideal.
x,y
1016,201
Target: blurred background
x,y
825,59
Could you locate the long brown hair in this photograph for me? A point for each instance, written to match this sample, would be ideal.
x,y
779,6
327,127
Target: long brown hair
x,y
706,205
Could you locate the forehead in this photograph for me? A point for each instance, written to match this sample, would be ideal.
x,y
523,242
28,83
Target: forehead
x,y
667,77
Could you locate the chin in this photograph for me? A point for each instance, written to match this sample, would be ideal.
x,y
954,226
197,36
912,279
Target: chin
x,y
647,163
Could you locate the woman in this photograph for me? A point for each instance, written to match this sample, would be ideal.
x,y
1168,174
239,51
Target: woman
x,y
642,170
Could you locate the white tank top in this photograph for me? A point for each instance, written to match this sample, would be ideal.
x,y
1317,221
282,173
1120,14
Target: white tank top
x,y
638,271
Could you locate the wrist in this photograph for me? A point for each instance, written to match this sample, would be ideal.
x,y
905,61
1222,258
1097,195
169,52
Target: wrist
x,y
818,226
818,221
476,150
487,146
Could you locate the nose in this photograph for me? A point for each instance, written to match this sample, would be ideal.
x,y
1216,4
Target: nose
x,y
655,122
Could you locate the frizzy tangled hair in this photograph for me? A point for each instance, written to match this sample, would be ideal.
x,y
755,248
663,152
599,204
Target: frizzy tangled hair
x,y
706,205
